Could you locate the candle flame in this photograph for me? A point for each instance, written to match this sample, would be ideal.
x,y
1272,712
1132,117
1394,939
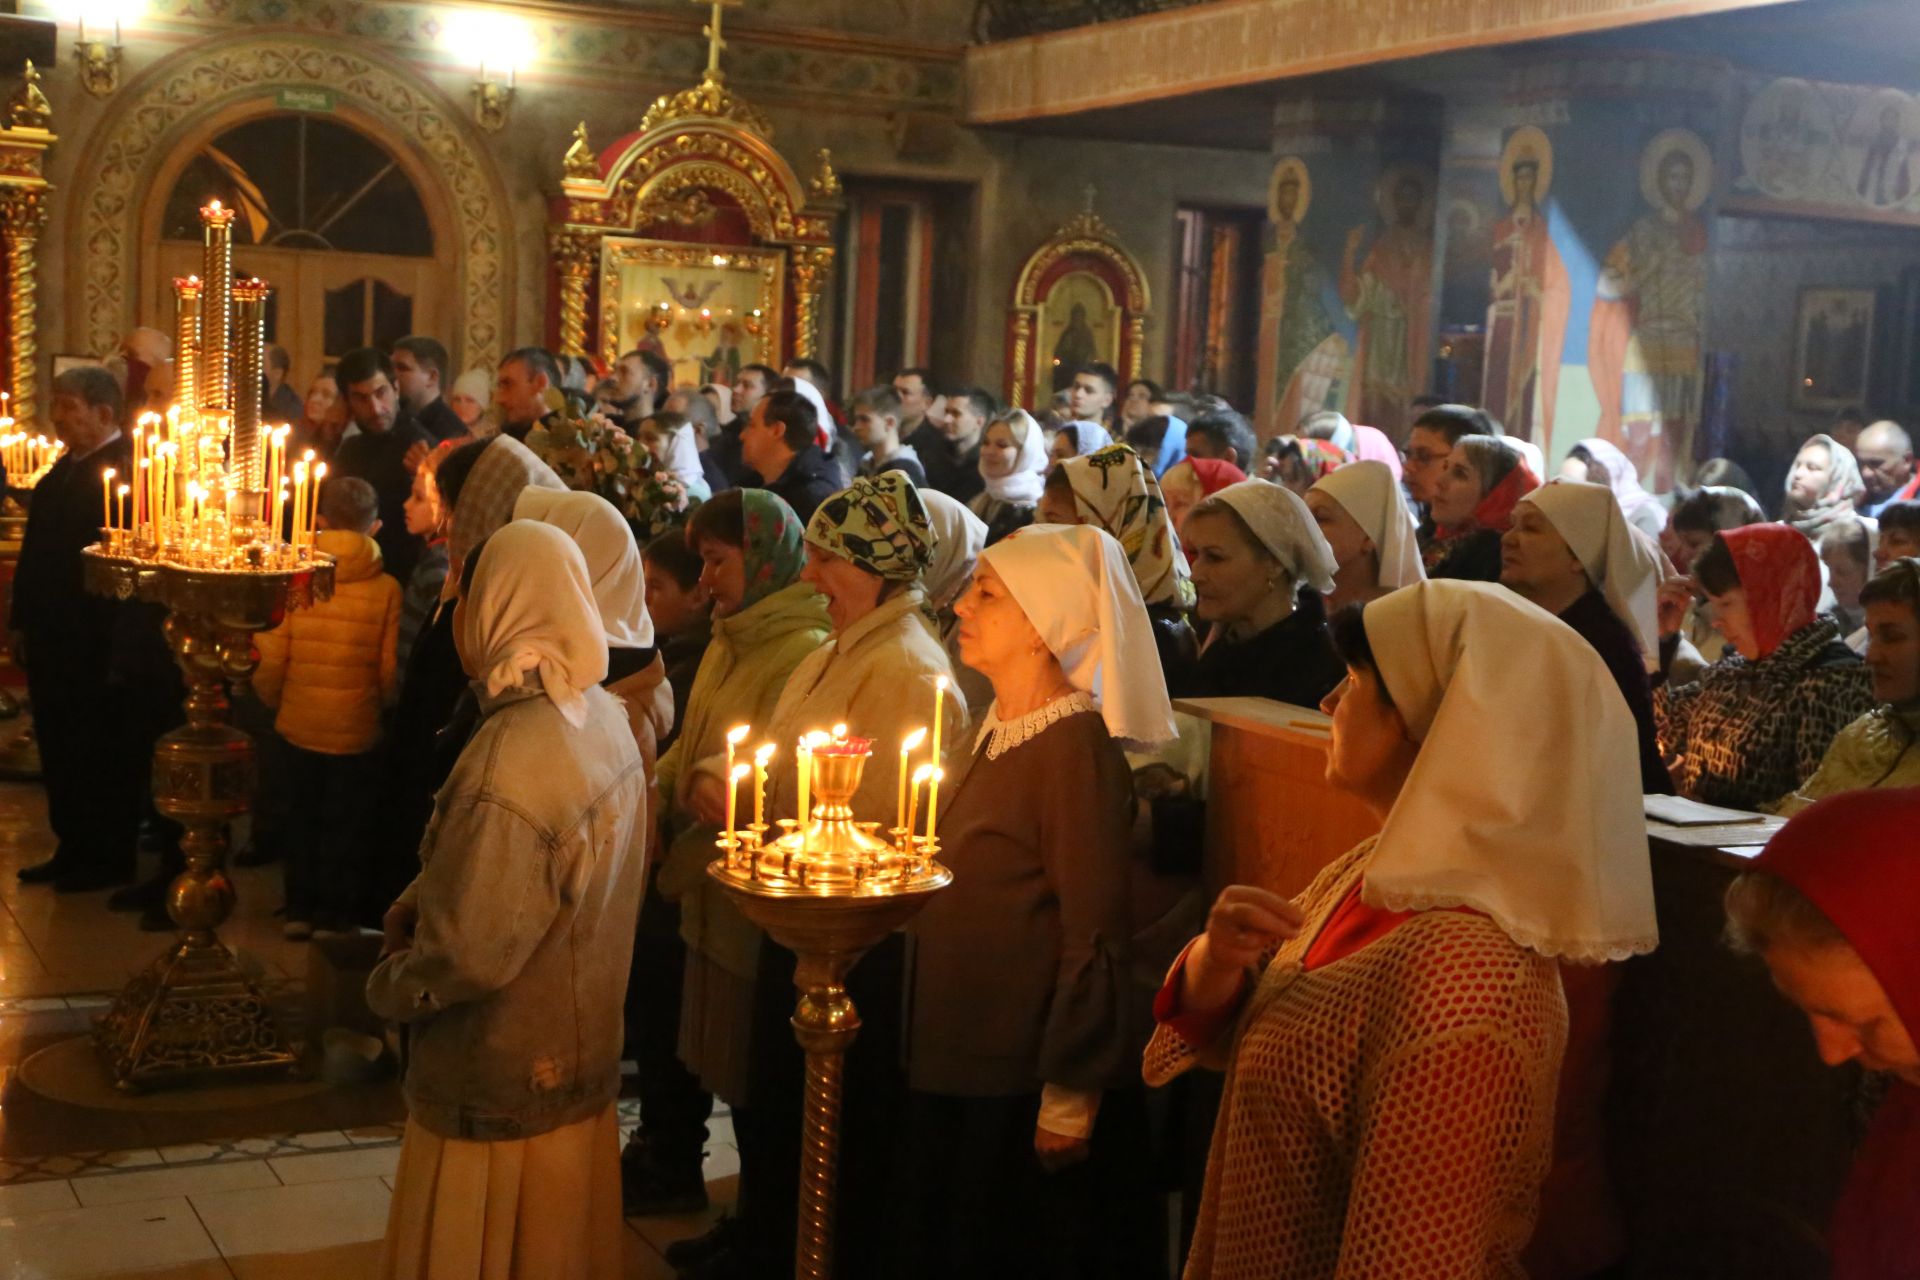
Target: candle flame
x,y
839,732
914,740
740,771
125,490
108,474
921,774
738,733
940,684
815,738
763,754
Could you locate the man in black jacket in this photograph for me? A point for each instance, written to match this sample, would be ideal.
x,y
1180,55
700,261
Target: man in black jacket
x,y
378,454
779,443
64,636
420,376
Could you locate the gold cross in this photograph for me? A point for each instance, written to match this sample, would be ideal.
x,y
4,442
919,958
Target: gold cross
x,y
712,30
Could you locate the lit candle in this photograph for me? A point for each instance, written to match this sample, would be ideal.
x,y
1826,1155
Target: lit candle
x,y
839,733
933,798
106,498
760,758
735,736
920,777
734,775
299,501
907,748
803,753
313,517
125,515
939,705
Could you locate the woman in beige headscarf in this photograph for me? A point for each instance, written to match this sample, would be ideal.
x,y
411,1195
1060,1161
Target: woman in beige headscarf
x,y
521,927
1364,518
1393,1036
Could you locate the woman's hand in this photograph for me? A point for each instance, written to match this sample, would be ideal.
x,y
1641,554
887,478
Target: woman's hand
x,y
707,799
1673,599
1057,1151
1246,922
397,926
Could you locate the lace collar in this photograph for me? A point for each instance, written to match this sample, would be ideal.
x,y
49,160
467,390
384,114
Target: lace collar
x,y
1002,736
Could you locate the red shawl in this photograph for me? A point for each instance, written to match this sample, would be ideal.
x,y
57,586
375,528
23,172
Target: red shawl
x,y
1780,573
1852,855
1215,474
1495,511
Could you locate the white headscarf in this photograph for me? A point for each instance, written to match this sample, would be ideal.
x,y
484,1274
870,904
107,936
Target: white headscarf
x,y
1552,844
1087,436
683,460
1642,510
1028,480
1370,493
1284,526
1622,561
531,609
614,569
959,537
1529,453
823,431
1074,584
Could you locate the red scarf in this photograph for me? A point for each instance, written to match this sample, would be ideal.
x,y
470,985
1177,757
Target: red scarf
x,y
1495,511
1215,474
1852,855
1780,572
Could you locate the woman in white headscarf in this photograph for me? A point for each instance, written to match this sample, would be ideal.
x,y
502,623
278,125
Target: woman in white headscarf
x,y
1013,463
507,955
1572,552
1598,461
471,394
636,674
1822,486
1020,1036
1375,545
1393,1036
1260,566
669,437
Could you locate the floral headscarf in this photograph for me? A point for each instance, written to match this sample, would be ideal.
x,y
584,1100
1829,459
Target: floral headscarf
x,y
1113,490
774,552
879,523
1835,502
1780,572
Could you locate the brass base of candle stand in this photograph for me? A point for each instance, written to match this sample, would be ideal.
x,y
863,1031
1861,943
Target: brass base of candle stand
x,y
192,1015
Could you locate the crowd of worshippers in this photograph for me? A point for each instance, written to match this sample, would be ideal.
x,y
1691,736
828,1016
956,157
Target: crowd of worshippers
x,y
504,740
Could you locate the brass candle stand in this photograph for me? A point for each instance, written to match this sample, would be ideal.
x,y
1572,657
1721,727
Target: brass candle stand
x,y
828,891
192,1014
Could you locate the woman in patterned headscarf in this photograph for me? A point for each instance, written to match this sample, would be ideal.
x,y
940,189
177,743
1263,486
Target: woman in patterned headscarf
x,y
765,620
1756,724
1822,486
1113,489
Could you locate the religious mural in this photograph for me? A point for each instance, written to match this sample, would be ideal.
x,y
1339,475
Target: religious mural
x,y
1833,341
1532,295
1310,358
1389,296
1079,324
1646,333
1831,148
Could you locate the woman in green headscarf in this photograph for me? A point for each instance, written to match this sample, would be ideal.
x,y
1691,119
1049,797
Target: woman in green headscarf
x,y
765,621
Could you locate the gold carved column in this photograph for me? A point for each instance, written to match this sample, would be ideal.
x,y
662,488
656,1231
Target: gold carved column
x,y
575,254
24,141
812,268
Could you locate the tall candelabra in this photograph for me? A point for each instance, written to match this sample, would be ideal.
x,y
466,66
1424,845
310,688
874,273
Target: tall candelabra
x,y
211,525
828,888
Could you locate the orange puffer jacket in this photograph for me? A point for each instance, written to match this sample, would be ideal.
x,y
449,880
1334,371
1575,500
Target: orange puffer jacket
x,y
331,667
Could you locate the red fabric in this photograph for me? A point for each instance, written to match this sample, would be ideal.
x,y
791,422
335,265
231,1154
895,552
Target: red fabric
x,y
1780,572
1496,509
1853,856
1196,1027
1911,491
1352,926
1215,474
1580,1231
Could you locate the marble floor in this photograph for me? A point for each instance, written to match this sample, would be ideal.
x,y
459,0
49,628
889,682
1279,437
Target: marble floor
x,y
286,1187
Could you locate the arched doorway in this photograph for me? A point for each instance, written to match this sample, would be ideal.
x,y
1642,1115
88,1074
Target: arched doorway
x,y
326,214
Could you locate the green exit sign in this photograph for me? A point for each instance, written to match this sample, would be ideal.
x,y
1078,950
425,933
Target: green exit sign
x,y
317,100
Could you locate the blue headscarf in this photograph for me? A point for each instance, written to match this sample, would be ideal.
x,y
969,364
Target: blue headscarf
x,y
1173,446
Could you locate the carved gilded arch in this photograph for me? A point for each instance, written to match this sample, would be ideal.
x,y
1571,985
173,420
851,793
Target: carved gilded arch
x,y
165,106
1084,247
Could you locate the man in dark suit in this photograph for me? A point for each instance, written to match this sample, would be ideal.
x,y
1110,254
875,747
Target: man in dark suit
x,y
378,454
420,376
64,636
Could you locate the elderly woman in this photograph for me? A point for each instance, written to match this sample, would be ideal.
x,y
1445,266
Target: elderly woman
x,y
1393,1036
1013,463
1882,747
1254,547
879,673
1822,486
1829,908
1190,482
1597,461
1021,1035
508,954
1368,528
1077,439
1472,505
1755,725
1572,552
1112,489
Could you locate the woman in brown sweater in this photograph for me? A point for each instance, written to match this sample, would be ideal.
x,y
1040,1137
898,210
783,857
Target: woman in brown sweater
x,y
1027,1155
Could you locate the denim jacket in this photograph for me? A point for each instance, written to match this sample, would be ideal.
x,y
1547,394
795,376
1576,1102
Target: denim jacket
x,y
530,883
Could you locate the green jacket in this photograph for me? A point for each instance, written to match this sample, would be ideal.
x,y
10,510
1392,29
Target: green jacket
x,y
739,682
1880,749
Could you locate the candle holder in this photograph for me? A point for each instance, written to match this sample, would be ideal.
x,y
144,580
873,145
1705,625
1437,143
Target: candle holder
x,y
828,889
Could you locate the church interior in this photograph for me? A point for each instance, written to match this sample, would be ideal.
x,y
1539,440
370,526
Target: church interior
x,y
1679,234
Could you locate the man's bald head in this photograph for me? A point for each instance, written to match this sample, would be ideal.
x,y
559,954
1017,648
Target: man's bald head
x,y
1885,451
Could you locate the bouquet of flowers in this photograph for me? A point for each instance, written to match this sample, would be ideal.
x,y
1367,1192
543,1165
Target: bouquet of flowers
x,y
596,456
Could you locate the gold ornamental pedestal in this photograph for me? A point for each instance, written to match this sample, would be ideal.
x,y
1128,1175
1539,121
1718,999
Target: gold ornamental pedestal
x,y
828,892
192,1015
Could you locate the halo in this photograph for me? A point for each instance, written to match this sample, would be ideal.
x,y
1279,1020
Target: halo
x,y
1664,144
1391,177
1298,168
1527,143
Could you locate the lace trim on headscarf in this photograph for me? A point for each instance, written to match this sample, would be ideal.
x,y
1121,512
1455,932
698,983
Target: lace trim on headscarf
x,y
1602,951
1002,736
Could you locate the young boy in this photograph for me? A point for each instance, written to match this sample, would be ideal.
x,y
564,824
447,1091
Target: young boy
x,y
678,605
876,421
329,669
